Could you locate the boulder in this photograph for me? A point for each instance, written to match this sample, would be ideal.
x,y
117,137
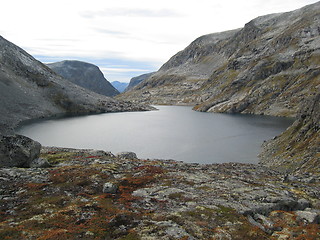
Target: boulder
x,y
18,151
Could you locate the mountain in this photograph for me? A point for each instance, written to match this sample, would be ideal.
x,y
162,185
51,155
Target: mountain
x,y
270,66
120,86
267,67
31,90
136,80
85,75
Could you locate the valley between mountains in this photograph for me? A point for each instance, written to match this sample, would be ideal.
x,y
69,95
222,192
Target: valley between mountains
x,y
271,66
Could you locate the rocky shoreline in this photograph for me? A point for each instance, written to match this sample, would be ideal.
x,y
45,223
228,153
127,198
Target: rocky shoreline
x,y
90,194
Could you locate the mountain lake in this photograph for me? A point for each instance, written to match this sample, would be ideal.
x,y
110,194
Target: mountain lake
x,y
172,132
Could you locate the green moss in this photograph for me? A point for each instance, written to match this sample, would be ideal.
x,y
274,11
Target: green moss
x,y
200,212
57,201
55,158
131,236
227,214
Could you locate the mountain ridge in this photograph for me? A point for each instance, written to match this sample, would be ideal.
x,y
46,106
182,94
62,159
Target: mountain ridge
x,y
136,80
267,46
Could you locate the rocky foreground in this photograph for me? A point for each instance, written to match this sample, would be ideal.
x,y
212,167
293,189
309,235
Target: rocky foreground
x,y
88,194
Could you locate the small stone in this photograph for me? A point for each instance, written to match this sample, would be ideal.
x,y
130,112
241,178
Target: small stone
x,y
89,233
109,188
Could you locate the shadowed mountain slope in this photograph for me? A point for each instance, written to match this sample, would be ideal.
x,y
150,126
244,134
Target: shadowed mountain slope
x,y
85,75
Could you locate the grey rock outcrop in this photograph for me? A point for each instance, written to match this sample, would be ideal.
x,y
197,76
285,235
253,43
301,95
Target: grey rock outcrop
x,y
18,151
127,155
85,75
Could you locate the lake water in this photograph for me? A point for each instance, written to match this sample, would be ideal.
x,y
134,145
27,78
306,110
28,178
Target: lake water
x,y
173,132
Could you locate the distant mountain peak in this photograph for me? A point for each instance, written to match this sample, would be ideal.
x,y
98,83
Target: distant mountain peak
x,y
84,74
138,79
120,86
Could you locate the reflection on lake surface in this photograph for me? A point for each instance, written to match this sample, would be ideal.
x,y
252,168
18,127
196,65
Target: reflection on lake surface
x,y
173,132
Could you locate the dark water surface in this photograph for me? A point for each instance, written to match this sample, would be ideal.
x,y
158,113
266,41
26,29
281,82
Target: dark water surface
x,y
173,132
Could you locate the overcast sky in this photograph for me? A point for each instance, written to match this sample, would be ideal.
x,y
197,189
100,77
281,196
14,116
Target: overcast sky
x,y
125,38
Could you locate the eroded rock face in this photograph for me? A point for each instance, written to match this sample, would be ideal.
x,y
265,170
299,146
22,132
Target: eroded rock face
x,y
18,151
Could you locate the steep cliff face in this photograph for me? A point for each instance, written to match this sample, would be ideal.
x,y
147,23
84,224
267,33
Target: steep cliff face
x,y
268,67
85,75
298,148
29,90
